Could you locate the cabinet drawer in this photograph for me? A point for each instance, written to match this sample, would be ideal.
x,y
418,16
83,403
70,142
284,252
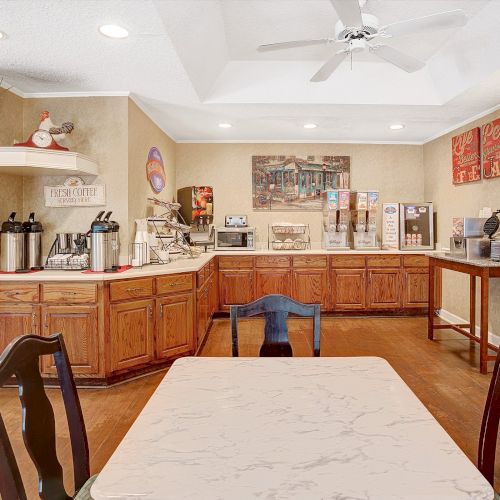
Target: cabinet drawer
x,y
309,261
69,293
174,283
272,261
236,262
416,261
383,260
19,292
347,261
131,289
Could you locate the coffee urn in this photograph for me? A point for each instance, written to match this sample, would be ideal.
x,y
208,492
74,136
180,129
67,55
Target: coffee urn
x,y
113,245
33,242
12,256
100,240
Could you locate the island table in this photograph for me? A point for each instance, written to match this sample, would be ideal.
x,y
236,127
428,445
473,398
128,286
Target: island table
x,y
287,428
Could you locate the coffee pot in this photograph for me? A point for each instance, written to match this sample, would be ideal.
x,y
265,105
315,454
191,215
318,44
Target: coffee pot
x,y
12,255
33,242
100,232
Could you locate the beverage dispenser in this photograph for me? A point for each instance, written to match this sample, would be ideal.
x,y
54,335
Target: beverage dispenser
x,y
416,226
364,206
197,209
336,219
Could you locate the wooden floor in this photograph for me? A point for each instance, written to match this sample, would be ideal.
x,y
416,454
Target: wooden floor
x,y
443,374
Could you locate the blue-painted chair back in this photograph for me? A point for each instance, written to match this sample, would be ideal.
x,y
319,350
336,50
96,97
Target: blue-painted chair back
x,y
275,309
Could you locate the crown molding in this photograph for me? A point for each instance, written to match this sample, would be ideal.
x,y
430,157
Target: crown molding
x,y
293,141
461,124
46,95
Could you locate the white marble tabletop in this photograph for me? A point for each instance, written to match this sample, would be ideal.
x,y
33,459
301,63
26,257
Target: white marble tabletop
x,y
287,428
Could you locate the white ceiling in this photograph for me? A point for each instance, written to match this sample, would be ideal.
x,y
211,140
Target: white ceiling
x,y
193,63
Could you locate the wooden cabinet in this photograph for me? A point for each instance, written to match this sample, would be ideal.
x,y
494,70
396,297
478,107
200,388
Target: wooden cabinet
x,y
69,293
16,320
19,292
131,289
310,286
78,325
174,334
271,281
416,287
202,312
384,288
174,283
131,334
235,287
348,289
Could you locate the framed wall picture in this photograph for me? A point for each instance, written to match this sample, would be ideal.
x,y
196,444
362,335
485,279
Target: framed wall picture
x,y
296,183
155,171
466,158
491,149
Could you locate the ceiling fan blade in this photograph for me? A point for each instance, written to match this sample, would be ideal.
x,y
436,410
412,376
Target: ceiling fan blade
x,y
329,67
400,59
348,11
451,19
293,44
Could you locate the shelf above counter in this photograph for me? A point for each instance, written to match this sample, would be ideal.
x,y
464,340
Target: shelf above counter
x,y
34,161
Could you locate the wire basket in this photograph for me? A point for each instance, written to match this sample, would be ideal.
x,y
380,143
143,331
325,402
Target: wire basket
x,y
66,261
289,245
289,228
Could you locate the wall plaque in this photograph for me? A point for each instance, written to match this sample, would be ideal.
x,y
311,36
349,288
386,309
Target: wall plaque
x,y
466,160
75,193
491,149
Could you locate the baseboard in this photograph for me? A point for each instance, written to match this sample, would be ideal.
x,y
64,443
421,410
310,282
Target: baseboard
x,y
453,318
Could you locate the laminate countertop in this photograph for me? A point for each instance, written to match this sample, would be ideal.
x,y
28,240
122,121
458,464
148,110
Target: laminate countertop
x,y
182,264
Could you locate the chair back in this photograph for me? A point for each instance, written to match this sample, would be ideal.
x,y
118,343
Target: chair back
x,y
489,427
21,359
275,309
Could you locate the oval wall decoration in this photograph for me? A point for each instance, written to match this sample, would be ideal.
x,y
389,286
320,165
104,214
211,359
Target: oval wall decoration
x,y
155,170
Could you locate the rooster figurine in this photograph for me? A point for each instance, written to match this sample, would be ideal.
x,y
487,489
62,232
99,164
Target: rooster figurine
x,y
58,133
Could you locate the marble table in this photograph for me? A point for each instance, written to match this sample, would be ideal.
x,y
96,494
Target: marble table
x,y
287,428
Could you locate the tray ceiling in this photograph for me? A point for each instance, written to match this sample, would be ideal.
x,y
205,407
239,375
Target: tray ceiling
x,y
193,63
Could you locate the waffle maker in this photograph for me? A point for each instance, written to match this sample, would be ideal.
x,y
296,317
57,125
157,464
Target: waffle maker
x,y
491,225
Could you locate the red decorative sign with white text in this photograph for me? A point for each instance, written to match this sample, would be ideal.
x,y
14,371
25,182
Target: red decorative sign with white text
x,y
466,157
491,149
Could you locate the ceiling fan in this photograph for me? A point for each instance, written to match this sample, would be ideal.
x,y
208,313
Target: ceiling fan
x,y
359,31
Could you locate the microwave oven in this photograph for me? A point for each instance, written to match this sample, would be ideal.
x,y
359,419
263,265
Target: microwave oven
x,y
235,238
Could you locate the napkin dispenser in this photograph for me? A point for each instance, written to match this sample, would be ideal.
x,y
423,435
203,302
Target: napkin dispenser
x,y
478,248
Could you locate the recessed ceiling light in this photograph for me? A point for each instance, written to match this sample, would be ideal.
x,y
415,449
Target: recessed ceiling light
x,y
310,125
225,125
113,31
396,126
2,35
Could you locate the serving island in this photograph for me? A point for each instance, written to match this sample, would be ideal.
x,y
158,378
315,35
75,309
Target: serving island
x,y
122,325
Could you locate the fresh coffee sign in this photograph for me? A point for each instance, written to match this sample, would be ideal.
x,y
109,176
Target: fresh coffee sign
x,y
75,193
466,158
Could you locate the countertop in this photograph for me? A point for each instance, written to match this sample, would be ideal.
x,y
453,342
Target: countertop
x,y
295,428
461,260
182,264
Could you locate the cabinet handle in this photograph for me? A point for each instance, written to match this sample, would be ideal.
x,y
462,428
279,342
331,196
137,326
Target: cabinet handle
x,y
33,321
46,320
133,290
150,311
68,292
161,310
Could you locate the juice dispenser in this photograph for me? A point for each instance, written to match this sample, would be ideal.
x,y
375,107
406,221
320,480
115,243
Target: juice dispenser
x,y
336,218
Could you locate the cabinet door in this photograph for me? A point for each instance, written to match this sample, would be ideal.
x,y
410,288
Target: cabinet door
x,y
17,320
202,312
310,286
416,287
235,287
174,326
270,281
131,334
348,289
78,324
384,288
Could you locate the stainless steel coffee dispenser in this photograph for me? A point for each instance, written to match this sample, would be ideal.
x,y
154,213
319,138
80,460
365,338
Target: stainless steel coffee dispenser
x,y
12,256
100,237
33,242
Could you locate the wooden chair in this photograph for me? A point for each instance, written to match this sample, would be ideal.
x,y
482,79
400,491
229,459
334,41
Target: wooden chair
x,y
22,359
275,309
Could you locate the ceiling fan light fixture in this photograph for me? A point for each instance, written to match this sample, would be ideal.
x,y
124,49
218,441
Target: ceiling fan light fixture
x,y
225,125
397,126
310,125
113,31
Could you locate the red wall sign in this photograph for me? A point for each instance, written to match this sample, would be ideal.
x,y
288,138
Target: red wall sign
x,y
466,159
491,149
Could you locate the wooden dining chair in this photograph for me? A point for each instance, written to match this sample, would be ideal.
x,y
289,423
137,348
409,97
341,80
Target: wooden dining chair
x,y
275,309
21,359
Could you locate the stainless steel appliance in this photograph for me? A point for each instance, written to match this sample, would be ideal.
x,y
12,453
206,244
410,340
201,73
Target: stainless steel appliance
x,y
12,251
33,242
197,207
416,226
465,228
100,241
235,238
113,244
495,251
236,221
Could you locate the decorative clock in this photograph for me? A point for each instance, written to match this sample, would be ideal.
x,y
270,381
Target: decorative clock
x,y
47,134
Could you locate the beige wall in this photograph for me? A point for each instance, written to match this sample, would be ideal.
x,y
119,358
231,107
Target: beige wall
x,y
143,134
11,130
101,130
395,170
456,201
